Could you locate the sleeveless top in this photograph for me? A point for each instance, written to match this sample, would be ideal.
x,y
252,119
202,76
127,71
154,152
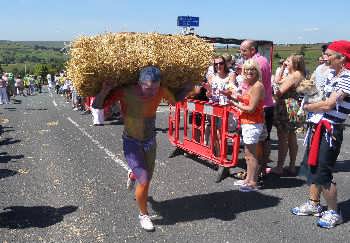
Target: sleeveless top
x,y
291,93
255,117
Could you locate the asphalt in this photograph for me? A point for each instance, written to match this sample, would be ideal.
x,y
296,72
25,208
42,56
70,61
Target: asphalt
x,y
63,180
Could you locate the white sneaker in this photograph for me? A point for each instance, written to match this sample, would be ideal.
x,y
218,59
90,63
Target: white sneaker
x,y
307,209
330,219
146,222
130,183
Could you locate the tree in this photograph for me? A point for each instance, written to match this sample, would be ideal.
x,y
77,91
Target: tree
x,y
15,71
302,50
41,70
1,70
276,55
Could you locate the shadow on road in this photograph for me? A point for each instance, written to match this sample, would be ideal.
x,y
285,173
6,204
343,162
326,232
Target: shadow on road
x,y
116,122
7,173
277,182
35,109
15,101
20,217
6,129
345,210
342,166
204,162
5,158
10,108
219,205
163,130
8,141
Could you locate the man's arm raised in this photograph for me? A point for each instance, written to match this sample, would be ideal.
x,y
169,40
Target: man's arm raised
x,y
98,103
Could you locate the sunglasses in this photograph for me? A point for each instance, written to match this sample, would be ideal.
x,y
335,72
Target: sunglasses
x,y
219,63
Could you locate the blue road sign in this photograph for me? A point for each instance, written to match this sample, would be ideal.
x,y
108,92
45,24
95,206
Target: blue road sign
x,y
187,21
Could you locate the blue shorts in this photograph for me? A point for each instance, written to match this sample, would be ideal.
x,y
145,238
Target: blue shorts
x,y
140,156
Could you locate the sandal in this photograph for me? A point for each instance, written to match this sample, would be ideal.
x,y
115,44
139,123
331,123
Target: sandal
x,y
240,175
248,188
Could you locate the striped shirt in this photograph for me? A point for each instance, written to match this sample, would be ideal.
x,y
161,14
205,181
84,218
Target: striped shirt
x,y
340,82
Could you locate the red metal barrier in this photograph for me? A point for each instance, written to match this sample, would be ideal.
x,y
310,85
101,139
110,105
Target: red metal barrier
x,y
210,116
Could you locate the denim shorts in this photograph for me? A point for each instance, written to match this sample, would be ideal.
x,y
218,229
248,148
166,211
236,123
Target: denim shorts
x,y
251,133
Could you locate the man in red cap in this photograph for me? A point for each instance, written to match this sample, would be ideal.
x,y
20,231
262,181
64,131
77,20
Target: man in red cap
x,y
324,145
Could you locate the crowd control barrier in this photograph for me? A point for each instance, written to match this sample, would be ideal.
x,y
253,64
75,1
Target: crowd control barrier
x,y
194,125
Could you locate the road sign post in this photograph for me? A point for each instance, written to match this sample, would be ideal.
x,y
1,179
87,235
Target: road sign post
x,y
187,23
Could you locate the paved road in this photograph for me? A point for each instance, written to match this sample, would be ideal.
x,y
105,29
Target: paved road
x,y
62,180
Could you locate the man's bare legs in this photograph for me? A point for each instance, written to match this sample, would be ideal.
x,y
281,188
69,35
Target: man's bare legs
x,y
141,194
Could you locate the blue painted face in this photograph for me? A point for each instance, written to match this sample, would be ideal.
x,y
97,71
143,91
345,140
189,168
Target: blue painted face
x,y
149,81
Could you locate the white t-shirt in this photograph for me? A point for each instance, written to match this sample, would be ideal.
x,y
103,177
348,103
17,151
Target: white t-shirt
x,y
219,84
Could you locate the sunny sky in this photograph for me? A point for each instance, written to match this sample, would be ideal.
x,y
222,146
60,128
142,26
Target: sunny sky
x,y
297,21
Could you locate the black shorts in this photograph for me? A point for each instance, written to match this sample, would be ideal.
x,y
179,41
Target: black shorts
x,y
322,174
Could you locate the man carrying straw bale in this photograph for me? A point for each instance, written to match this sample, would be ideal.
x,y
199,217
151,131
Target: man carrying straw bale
x,y
140,69
139,104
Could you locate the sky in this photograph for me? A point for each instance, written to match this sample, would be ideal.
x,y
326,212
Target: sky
x,y
297,21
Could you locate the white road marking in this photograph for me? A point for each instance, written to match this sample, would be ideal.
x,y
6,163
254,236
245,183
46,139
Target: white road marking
x,y
54,103
50,94
99,145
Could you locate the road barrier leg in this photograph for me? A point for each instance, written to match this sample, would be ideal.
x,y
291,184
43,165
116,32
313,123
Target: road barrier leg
x,y
223,172
178,151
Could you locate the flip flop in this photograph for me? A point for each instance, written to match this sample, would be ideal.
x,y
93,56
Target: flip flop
x,y
248,188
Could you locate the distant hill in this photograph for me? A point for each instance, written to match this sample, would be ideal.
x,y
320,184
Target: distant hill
x,y
46,44
22,56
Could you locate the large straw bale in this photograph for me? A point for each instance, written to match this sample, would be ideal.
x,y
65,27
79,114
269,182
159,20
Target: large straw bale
x,y
120,56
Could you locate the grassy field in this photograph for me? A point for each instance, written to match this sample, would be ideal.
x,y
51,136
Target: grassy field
x,y
15,56
21,56
311,54
18,67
